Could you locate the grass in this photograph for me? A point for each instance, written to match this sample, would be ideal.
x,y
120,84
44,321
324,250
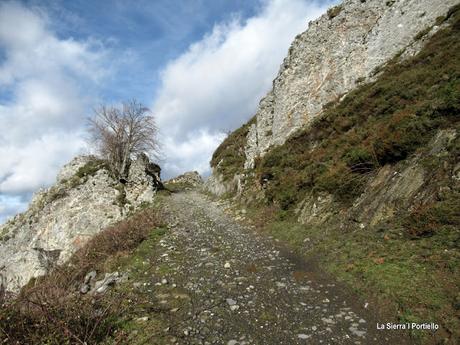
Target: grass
x,y
49,310
229,156
175,187
379,123
409,264
409,280
91,168
80,177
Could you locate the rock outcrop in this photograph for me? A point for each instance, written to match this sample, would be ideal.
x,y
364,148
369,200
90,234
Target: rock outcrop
x,y
190,178
338,51
60,219
217,185
404,186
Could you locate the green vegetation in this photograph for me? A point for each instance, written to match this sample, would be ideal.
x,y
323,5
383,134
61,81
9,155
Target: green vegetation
x,y
4,235
85,171
378,123
409,264
49,310
55,193
91,168
334,11
229,157
175,187
121,197
412,277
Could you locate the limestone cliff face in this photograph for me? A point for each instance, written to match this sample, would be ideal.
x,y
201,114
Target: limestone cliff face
x,y
339,50
60,219
217,185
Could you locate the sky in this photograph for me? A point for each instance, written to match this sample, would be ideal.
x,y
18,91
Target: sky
x,y
201,66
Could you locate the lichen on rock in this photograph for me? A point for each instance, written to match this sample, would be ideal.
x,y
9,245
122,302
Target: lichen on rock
x,y
63,217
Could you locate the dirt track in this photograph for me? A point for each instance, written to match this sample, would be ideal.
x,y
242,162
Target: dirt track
x,y
225,284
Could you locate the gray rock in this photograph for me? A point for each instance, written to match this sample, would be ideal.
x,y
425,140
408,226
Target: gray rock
x,y
363,36
90,276
192,178
230,301
84,288
62,218
109,280
373,32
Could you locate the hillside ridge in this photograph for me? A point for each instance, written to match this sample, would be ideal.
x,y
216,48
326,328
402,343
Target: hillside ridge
x,y
341,50
62,218
371,186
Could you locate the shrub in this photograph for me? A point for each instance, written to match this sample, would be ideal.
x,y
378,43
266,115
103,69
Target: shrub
x,y
91,167
378,123
426,220
49,310
334,11
229,157
55,193
360,160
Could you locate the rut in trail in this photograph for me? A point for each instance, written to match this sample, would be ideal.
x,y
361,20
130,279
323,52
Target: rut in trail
x,y
238,287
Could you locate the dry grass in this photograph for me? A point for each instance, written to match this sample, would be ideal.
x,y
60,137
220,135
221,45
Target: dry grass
x,y
50,310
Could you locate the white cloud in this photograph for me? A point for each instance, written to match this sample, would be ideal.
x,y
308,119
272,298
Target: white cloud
x,y
31,48
11,205
46,84
27,168
182,155
216,85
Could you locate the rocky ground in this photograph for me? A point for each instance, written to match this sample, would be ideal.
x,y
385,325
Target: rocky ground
x,y
218,282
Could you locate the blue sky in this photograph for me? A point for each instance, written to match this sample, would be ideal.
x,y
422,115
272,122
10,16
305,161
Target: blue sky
x,y
200,65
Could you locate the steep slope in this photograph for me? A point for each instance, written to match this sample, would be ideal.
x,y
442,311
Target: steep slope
x,y
342,49
372,186
60,219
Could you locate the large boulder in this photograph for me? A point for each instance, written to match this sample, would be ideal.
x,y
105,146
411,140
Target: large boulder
x,y
62,218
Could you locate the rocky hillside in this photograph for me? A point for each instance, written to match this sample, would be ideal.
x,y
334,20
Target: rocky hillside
x,y
339,51
60,219
353,157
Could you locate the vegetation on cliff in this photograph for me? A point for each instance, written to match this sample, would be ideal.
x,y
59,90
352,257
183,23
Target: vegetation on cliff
x,y
410,262
51,309
378,123
229,157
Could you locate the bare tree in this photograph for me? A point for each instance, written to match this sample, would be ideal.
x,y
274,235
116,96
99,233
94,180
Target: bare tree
x,y
120,133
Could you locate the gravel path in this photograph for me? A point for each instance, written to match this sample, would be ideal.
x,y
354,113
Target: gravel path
x,y
224,284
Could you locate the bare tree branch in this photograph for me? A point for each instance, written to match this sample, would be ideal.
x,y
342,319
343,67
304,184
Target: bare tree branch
x,y
120,134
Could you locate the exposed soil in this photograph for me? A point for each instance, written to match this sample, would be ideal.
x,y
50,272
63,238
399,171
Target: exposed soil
x,y
219,282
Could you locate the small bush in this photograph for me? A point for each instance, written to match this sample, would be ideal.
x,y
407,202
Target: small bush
x,y
360,160
91,167
378,123
55,193
422,33
426,220
49,310
334,11
229,157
